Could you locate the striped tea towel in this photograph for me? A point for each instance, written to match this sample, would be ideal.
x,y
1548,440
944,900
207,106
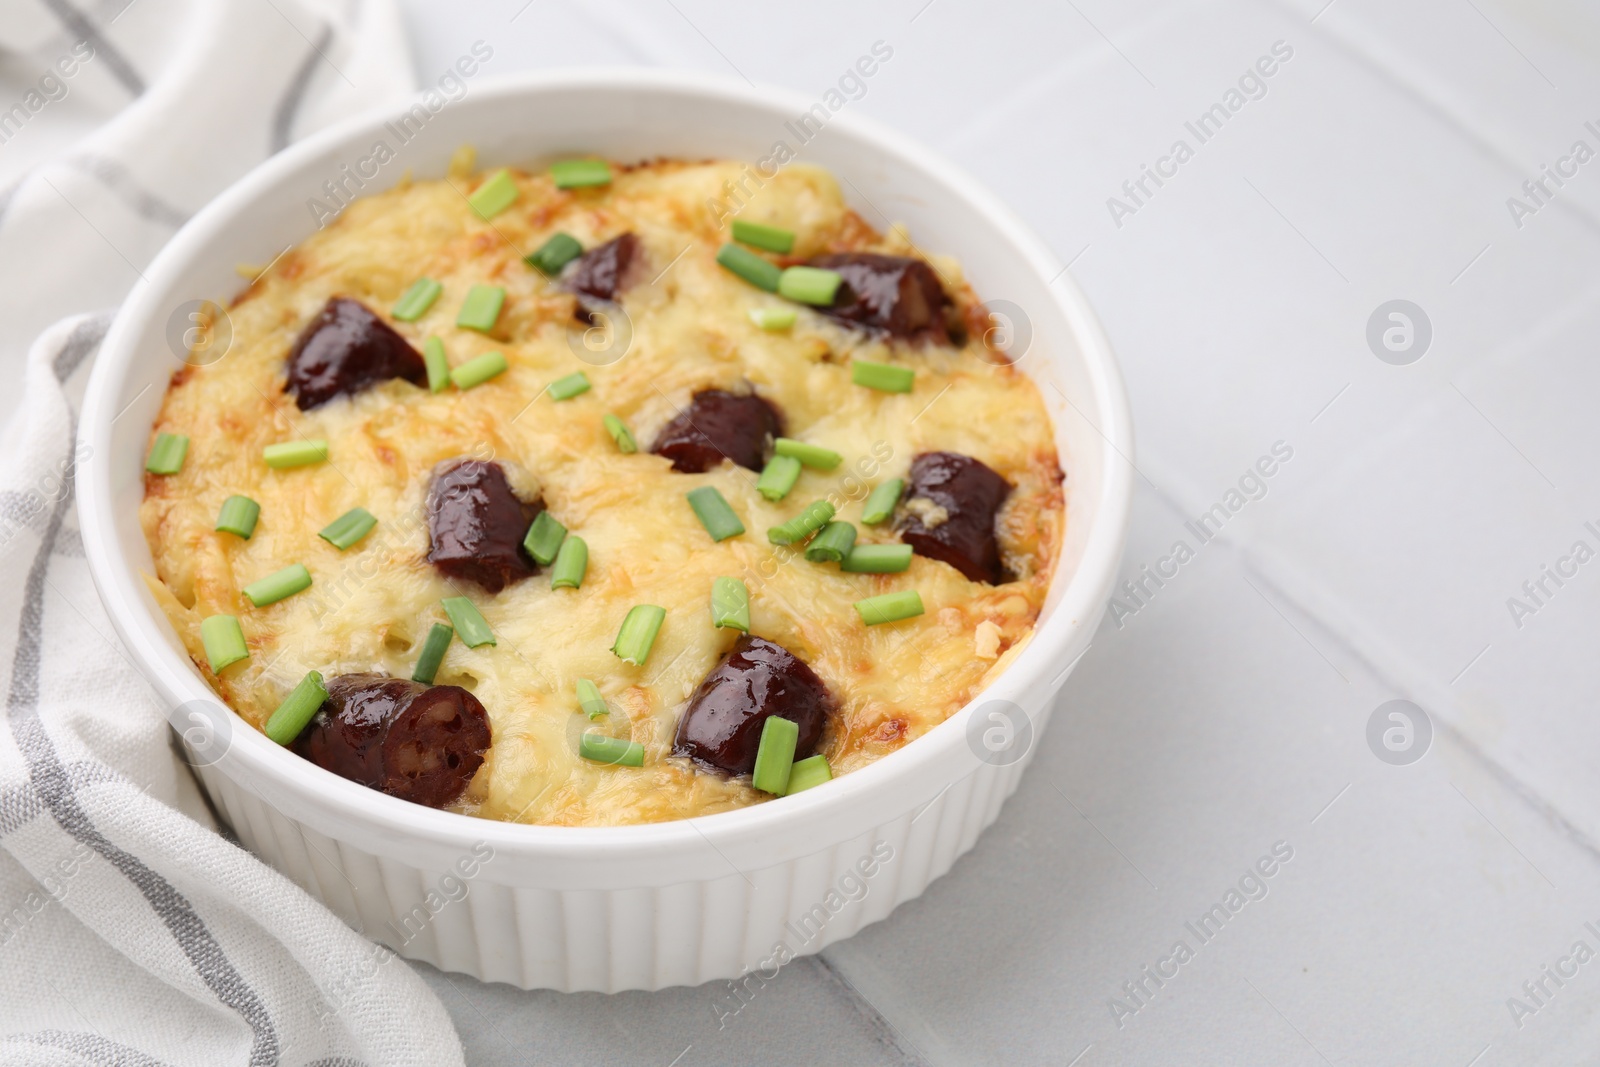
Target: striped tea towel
x,y
131,931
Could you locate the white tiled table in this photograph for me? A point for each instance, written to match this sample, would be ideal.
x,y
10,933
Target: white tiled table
x,y
1230,712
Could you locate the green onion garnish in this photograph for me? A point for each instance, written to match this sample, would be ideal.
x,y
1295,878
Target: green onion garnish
x,y
575,173
572,562
758,235
802,525
824,459
433,650
589,699
438,365
557,252
348,528
478,370
832,544
890,607
620,434
415,301
881,504
810,285
751,267
223,641
613,750
296,710
496,194
238,516
166,454
714,513
778,477
775,755
730,604
277,585
877,559
566,388
468,621
286,454
884,377
481,307
638,633
543,539
774,319
809,772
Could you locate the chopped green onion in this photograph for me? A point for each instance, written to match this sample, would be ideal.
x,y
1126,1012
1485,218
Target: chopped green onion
x,y
824,459
438,365
884,377
613,750
802,525
286,454
730,604
468,621
278,585
223,641
572,562
555,253
543,539
807,773
296,710
775,754
620,434
638,633
881,503
759,235
166,454
496,194
481,308
478,370
575,173
566,388
348,528
238,516
810,285
752,268
778,477
890,607
589,699
832,544
415,301
433,650
714,513
774,319
876,559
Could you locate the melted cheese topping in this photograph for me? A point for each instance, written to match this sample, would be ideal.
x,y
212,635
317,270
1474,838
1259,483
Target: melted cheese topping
x,y
370,608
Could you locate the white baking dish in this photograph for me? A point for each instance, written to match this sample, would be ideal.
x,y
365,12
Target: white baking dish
x,y
638,907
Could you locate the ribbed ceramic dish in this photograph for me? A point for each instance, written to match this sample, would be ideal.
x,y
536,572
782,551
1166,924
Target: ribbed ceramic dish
x,y
639,907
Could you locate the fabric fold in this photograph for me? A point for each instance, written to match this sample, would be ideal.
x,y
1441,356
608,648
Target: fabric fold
x,y
131,931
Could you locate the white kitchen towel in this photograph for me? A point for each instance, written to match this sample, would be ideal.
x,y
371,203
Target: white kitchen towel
x,y
131,931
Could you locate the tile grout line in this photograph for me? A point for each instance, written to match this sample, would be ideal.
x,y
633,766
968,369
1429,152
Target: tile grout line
x,y
1279,577
1264,567
1435,101
884,1032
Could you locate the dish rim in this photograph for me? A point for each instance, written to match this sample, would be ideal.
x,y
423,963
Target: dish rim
x,y
940,752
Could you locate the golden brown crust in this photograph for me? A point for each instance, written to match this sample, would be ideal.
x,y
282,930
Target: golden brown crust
x,y
369,608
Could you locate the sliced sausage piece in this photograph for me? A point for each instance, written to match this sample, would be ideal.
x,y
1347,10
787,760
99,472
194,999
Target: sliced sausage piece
x,y
717,424
601,272
476,524
895,295
949,513
346,349
421,743
721,728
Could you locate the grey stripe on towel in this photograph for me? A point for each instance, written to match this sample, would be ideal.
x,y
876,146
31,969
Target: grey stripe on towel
x,y
55,789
